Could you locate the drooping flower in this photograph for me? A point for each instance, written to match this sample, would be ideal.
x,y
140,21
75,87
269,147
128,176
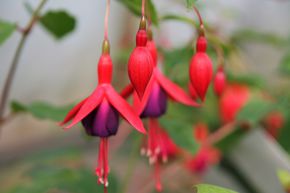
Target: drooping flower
x,y
159,147
206,155
273,122
232,100
140,65
200,71
219,82
99,113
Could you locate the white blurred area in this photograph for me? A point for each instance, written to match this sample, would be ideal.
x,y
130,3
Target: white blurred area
x,y
62,72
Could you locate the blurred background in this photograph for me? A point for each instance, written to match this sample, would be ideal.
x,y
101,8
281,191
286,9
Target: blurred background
x,y
63,71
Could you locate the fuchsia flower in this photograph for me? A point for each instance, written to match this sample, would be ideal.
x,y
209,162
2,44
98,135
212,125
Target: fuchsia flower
x,y
219,82
160,88
159,148
232,100
206,155
140,65
99,113
273,122
200,71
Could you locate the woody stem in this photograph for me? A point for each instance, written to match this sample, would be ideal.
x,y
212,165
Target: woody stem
x,y
15,60
143,7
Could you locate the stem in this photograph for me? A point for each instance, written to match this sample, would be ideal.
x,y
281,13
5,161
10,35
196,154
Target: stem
x,y
221,133
201,26
143,7
131,164
220,55
107,19
15,60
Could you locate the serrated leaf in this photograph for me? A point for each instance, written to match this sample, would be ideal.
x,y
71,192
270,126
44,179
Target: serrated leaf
x,y
6,30
254,111
207,188
59,23
284,178
182,134
135,7
42,110
285,65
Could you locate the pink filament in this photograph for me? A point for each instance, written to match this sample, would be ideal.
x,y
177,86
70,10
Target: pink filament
x,y
102,169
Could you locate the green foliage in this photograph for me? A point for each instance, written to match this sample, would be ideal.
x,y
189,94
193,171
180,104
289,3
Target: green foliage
x,y
135,7
206,188
285,65
180,128
57,171
6,30
42,110
248,35
248,79
254,111
229,142
284,177
180,18
58,23
190,3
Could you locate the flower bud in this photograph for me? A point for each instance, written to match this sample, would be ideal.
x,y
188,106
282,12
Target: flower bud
x,y
219,81
200,71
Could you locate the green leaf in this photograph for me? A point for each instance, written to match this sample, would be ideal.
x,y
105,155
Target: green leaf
x,y
248,79
284,177
6,30
190,3
59,23
42,110
180,18
254,111
285,65
182,134
135,7
248,35
206,188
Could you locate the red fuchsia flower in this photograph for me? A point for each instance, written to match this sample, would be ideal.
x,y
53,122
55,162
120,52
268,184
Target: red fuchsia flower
x,y
200,71
232,100
99,113
159,148
206,155
140,65
219,82
273,122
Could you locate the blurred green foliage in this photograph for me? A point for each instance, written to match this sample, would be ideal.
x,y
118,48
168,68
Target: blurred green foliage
x,y
6,30
206,188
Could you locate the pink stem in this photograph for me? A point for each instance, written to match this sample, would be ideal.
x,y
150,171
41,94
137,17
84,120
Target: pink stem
x,y
107,19
198,15
143,7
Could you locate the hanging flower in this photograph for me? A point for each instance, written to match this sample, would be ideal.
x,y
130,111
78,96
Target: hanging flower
x,y
159,147
232,100
99,113
219,82
140,65
206,155
200,71
273,122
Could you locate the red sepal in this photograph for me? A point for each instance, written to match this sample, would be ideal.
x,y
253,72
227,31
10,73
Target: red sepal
x,y
89,105
72,112
124,109
173,90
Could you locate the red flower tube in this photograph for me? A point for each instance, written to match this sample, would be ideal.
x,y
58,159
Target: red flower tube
x,y
99,113
200,69
219,82
140,65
